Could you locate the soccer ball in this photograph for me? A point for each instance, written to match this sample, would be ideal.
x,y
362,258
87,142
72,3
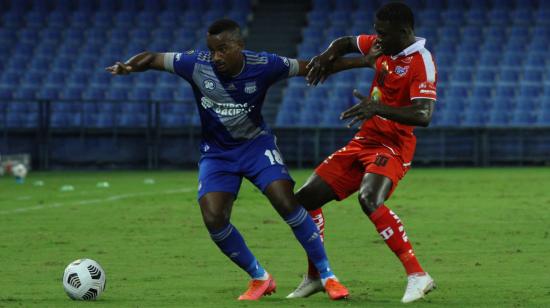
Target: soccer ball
x,y
84,279
19,171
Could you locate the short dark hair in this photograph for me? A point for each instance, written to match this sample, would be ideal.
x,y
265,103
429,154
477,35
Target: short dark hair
x,y
223,25
396,13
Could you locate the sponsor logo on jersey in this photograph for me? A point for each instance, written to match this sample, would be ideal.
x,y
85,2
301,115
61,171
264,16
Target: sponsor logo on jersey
x,y
209,84
250,87
190,52
432,92
401,70
225,109
406,60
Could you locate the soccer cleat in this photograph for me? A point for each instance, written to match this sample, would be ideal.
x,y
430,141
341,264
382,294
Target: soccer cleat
x,y
418,286
335,289
307,287
258,288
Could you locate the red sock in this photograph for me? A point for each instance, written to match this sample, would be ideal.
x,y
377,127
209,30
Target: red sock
x,y
319,220
392,231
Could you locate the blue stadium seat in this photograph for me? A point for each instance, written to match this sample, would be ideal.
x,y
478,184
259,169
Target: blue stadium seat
x,y
453,17
536,60
12,20
94,93
508,76
505,90
35,20
72,93
543,118
461,76
10,80
81,19
474,119
152,6
99,120
481,91
58,20
476,17
533,77
523,119
117,94
48,93
449,119
499,17
485,76
133,120
163,94
497,118
140,94
522,16
542,17
472,33
529,90
65,119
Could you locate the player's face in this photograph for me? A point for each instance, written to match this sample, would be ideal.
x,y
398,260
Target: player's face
x,y
390,37
226,53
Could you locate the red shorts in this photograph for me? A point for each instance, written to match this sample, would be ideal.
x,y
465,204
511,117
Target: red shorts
x,y
343,171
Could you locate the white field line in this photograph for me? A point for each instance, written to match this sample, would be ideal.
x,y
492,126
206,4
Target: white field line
x,y
92,201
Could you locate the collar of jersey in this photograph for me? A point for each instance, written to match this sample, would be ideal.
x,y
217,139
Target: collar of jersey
x,y
242,68
414,47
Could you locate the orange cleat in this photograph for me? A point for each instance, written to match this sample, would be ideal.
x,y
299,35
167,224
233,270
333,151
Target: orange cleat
x,y
258,288
335,289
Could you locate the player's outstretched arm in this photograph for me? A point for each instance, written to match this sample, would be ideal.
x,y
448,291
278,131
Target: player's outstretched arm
x,y
139,63
319,66
417,114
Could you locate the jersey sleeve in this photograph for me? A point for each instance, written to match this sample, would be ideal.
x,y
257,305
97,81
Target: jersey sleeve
x,y
181,64
424,78
281,68
364,42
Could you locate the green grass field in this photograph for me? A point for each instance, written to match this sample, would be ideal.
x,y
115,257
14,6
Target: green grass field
x,y
483,234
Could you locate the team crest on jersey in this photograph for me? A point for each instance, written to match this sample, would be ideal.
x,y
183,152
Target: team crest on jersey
x,y
209,84
250,87
178,56
401,70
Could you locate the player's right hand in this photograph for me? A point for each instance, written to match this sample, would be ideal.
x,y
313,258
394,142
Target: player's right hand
x,y
319,68
119,68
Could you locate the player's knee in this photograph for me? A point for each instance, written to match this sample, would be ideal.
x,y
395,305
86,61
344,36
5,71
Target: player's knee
x,y
215,221
285,206
369,200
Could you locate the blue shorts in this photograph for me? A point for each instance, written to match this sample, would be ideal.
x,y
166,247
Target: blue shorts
x,y
258,160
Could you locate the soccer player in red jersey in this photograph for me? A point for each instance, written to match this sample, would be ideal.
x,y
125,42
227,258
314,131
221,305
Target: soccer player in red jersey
x,y
402,96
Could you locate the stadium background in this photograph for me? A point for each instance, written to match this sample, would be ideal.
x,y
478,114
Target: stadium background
x,y
58,104
481,232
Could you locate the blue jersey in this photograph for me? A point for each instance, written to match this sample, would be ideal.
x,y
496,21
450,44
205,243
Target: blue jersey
x,y
230,107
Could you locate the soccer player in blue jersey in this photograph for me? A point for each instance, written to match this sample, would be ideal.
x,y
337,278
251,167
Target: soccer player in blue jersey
x,y
230,84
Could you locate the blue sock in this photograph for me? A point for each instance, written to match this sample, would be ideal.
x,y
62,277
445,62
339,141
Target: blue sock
x,y
232,244
307,234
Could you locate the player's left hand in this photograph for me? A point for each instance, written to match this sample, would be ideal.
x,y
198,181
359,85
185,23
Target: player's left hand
x,y
364,110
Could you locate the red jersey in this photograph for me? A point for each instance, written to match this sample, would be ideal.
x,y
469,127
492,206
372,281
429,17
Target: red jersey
x,y
398,80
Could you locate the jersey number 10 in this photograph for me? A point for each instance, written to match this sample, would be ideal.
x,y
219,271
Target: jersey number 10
x,y
274,157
